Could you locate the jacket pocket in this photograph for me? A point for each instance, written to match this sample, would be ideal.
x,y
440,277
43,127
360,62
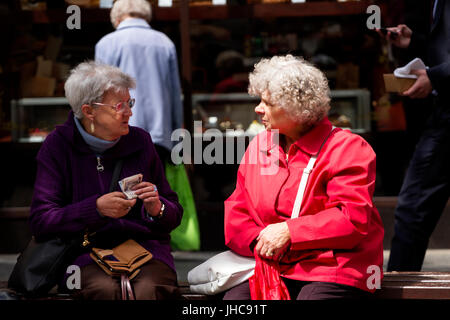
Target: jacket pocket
x,y
326,258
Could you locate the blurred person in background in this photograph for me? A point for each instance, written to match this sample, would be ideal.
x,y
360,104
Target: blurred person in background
x,y
426,187
150,57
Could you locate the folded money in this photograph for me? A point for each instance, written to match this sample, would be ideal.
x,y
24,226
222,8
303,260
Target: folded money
x,y
127,183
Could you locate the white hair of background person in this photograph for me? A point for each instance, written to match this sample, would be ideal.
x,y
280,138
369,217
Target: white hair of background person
x,y
293,84
89,81
134,8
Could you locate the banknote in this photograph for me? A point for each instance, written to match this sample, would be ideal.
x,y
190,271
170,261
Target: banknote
x,y
129,182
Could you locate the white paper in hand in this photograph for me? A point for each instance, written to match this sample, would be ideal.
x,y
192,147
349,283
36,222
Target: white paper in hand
x,y
405,72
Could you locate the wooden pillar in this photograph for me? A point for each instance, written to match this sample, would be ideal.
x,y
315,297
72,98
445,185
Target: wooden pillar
x,y
186,68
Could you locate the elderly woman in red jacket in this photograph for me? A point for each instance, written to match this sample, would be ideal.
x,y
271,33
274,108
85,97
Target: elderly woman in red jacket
x,y
328,240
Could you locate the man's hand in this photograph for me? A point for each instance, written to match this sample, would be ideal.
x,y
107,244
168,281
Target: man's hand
x,y
273,241
114,205
148,193
421,88
403,38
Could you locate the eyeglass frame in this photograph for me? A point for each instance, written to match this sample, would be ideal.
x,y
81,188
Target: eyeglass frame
x,y
130,103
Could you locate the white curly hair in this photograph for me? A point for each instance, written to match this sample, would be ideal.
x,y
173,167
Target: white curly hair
x,y
134,8
293,84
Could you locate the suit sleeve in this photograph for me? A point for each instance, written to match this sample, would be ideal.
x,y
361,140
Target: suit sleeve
x,y
345,220
440,77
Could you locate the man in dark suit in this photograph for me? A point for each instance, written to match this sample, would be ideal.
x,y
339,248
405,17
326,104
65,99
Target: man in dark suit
x,y
426,187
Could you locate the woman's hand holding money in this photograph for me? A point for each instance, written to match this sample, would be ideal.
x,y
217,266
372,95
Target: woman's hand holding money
x,y
148,193
114,205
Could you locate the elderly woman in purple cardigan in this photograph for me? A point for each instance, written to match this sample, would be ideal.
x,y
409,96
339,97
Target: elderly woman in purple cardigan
x,y
74,170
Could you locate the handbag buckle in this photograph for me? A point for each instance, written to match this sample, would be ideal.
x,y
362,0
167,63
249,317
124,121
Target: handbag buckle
x,y
86,241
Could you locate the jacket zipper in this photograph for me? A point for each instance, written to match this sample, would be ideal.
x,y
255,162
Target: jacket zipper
x,y
100,169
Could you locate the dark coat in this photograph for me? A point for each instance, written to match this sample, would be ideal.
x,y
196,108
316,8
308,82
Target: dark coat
x,y
437,43
68,185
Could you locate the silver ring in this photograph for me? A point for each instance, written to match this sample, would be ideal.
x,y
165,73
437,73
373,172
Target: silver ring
x,y
155,188
269,253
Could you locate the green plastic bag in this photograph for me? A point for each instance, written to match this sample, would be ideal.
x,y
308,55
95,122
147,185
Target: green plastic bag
x,y
186,236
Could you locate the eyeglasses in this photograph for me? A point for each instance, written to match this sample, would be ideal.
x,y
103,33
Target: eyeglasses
x,y
119,107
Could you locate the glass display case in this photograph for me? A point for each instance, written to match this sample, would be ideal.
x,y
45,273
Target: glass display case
x,y
32,119
349,109
227,111
232,113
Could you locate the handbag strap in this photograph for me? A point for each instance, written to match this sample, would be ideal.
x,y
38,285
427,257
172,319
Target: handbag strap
x,y
115,175
304,179
126,289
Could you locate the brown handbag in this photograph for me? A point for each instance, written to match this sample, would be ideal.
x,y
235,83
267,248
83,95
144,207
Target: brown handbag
x,y
122,262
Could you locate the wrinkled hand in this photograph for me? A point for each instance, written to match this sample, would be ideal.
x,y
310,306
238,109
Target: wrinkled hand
x,y
422,87
114,205
403,38
273,241
148,193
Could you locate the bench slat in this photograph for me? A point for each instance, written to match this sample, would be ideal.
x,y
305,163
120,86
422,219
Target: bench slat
x,y
395,285
415,285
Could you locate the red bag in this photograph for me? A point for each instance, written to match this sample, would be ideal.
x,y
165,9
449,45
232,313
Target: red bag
x,y
266,282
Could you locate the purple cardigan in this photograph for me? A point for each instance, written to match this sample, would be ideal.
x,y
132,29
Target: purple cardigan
x,y
68,185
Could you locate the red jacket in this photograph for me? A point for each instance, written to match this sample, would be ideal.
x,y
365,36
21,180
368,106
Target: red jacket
x,y
338,234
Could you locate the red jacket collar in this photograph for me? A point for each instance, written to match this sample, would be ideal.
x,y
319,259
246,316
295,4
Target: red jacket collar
x,y
310,142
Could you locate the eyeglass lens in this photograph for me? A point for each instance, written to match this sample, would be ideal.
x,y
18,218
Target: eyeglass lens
x,y
121,106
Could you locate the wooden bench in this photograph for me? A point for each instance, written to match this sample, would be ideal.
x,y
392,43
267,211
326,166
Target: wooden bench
x,y
395,285
188,295
415,285
184,289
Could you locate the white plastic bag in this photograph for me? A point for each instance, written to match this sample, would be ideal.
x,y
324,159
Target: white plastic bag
x,y
221,272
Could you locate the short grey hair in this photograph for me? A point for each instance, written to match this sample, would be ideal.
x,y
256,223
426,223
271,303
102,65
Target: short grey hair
x,y
293,84
135,8
89,81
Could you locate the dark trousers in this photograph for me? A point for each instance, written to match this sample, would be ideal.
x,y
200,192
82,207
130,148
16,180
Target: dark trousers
x,y
303,290
155,281
424,194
